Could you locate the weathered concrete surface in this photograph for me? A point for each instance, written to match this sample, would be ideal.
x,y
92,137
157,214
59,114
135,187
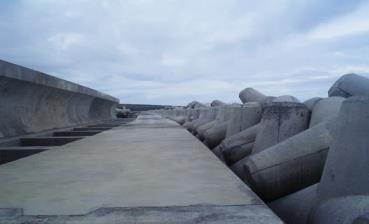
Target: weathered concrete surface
x,y
194,104
207,117
75,133
251,95
343,192
221,117
217,103
286,98
32,101
48,141
289,166
350,85
151,170
214,135
347,165
8,154
243,118
310,103
296,207
325,109
364,219
280,120
237,147
192,114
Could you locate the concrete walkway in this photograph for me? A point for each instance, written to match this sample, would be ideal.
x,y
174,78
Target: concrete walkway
x,y
148,171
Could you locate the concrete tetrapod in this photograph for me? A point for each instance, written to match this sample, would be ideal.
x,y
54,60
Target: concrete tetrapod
x,y
251,95
248,115
343,192
220,117
286,98
310,103
325,109
179,116
194,105
290,165
350,85
364,219
192,115
296,207
280,120
344,186
214,135
217,103
202,113
238,146
207,117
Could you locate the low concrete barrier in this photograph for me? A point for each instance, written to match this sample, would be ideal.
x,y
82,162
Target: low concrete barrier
x,y
32,101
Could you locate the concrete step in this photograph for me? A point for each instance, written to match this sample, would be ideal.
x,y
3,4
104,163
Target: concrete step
x,y
103,126
8,154
92,129
47,141
75,133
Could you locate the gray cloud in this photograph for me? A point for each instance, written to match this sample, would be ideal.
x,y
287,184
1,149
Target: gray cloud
x,y
173,51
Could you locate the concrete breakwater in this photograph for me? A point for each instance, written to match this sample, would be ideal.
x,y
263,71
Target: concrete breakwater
x,y
279,148
65,158
32,101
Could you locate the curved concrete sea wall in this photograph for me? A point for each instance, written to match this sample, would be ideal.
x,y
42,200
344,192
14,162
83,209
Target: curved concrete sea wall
x,y
32,101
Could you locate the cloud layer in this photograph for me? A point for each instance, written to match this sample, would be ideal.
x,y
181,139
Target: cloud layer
x,y
174,51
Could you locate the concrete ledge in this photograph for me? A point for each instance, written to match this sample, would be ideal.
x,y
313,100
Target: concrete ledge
x,y
48,141
75,133
91,129
8,154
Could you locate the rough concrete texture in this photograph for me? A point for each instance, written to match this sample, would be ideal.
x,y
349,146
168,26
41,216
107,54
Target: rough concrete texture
x,y
347,164
217,103
290,165
206,118
194,104
192,115
32,101
202,214
149,171
343,192
221,117
237,147
178,115
364,219
280,121
325,109
251,95
214,135
244,117
8,154
296,207
286,98
200,130
340,210
203,112
310,103
350,85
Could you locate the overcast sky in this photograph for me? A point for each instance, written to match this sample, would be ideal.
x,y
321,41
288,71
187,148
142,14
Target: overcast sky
x,y
174,51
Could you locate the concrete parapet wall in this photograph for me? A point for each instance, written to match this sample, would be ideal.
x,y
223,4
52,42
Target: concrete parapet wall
x,y
32,101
